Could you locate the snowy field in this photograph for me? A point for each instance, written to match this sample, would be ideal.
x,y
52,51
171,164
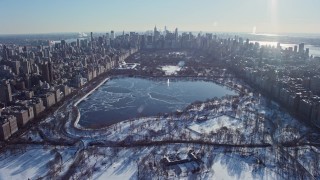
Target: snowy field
x,y
170,70
212,125
33,162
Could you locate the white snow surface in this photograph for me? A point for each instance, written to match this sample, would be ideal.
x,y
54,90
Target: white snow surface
x,y
170,70
32,164
215,123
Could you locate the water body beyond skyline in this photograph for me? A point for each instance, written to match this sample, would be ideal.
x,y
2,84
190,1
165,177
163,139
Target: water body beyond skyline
x,y
126,98
313,50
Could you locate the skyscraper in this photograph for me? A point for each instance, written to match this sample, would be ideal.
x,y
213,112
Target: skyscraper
x,y
5,92
107,39
91,36
301,48
63,45
5,53
165,31
156,34
295,48
154,30
47,71
78,43
112,35
307,52
50,66
16,67
176,34
26,66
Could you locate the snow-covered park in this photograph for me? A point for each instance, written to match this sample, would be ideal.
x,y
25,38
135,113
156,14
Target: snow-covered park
x,y
234,137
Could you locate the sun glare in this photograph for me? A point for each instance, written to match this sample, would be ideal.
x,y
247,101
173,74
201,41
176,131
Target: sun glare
x,y
274,16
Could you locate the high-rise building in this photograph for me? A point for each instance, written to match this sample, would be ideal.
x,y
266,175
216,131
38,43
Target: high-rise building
x,y
247,42
315,83
5,53
165,31
154,31
132,34
208,36
16,67
50,66
27,81
107,39
47,71
63,44
91,36
176,35
156,34
5,92
301,48
290,49
78,43
26,67
47,53
100,40
307,52
112,35
35,69
84,43
295,48
241,41
143,41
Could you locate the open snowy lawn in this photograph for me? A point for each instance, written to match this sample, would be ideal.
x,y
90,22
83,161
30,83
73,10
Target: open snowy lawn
x,y
234,167
170,70
215,124
123,164
31,164
120,171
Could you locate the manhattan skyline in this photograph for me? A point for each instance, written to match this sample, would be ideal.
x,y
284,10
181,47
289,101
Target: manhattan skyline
x,y
250,16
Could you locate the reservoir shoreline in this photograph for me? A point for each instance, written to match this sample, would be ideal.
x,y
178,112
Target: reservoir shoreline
x,y
75,105
217,81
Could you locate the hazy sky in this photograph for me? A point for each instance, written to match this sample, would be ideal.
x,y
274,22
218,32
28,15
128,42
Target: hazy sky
x,y
265,16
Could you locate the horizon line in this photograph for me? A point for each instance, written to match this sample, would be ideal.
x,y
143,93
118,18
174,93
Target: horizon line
x,y
144,31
